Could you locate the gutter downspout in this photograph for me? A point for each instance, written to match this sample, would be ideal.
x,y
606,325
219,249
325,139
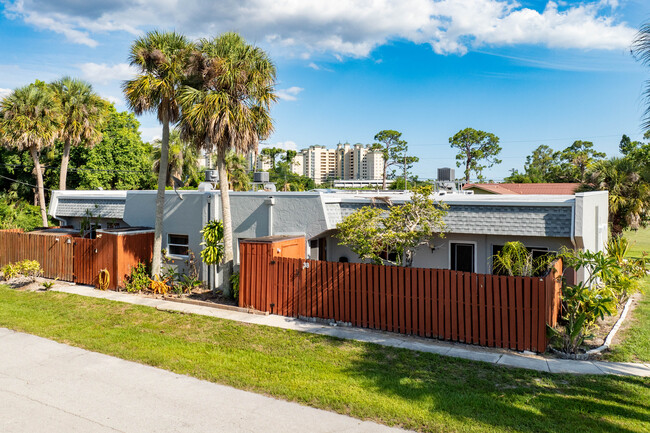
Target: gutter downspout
x,y
573,235
271,202
573,224
208,267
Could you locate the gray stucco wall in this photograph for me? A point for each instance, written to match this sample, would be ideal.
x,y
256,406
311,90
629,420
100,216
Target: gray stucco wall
x,y
184,217
439,258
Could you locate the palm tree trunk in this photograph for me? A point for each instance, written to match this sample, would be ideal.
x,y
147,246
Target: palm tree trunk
x,y
227,221
64,166
383,183
160,199
39,184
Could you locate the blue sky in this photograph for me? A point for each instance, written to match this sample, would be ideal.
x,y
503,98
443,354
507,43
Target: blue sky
x,y
533,72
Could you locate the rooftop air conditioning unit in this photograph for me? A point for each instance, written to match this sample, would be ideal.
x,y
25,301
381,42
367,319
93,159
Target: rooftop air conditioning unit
x,y
261,177
446,174
211,176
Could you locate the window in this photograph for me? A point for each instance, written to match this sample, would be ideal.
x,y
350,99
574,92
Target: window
x,y
178,245
462,257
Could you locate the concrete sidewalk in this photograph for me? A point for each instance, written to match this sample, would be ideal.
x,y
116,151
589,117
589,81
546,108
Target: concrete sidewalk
x,y
466,351
51,387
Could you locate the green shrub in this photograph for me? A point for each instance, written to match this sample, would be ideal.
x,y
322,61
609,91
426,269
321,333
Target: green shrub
x,y
138,279
234,282
26,268
582,306
30,268
610,280
18,214
10,271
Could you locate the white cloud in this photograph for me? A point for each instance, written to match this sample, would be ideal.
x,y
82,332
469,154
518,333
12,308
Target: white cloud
x,y
119,102
290,94
150,134
101,73
4,93
314,66
285,145
342,27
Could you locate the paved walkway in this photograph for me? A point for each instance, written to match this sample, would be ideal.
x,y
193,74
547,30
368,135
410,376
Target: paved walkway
x,y
493,356
51,387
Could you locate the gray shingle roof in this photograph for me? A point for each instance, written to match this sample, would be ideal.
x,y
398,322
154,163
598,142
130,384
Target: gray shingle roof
x,y
551,221
101,208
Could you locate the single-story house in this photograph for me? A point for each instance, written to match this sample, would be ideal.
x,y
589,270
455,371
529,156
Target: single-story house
x,y
477,225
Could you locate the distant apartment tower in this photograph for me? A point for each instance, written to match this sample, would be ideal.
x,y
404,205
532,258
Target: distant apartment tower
x,y
358,162
318,163
346,162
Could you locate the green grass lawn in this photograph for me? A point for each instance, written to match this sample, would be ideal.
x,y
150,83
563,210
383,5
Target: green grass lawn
x,y
635,343
639,242
415,390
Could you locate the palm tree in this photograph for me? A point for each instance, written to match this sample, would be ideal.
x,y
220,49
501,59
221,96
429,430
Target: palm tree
x,y
628,183
175,157
183,160
226,108
641,52
161,59
237,174
83,113
30,120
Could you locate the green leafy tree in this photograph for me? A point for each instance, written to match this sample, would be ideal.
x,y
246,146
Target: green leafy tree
x,y
121,160
17,214
83,113
270,154
226,106
577,159
377,233
627,146
162,60
30,120
393,150
477,150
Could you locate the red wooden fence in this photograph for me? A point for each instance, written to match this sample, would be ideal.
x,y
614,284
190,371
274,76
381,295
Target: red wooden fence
x,y
71,258
488,310
53,251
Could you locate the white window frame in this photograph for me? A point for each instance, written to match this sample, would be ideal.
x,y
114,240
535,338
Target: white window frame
x,y
169,244
458,241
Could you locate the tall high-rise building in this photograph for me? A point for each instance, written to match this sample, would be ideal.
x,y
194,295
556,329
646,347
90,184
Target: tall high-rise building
x,y
346,162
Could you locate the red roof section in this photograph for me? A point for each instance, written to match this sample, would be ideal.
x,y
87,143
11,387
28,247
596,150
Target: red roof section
x,y
526,188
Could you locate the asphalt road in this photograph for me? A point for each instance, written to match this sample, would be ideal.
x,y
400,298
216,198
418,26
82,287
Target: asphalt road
x,y
51,387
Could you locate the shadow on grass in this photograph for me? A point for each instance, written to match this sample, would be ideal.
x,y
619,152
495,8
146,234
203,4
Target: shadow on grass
x,y
474,393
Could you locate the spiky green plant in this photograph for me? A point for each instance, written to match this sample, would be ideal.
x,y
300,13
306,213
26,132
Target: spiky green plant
x,y
514,259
